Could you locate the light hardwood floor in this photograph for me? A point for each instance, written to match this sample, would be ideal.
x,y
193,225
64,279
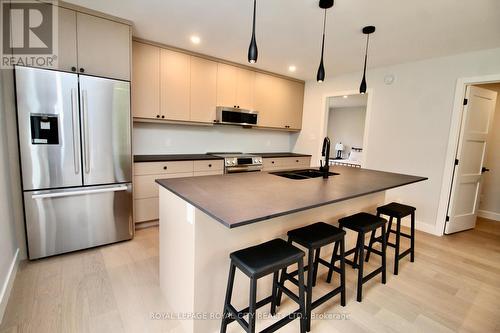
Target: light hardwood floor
x,y
454,286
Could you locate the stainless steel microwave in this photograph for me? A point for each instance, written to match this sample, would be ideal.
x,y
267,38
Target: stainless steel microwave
x,y
236,116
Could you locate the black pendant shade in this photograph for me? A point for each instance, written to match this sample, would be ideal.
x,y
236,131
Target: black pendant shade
x,y
253,52
320,76
368,30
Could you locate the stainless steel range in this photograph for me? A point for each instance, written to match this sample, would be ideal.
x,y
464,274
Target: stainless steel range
x,y
239,162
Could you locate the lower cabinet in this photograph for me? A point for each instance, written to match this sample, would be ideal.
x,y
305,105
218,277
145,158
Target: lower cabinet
x,y
146,189
283,163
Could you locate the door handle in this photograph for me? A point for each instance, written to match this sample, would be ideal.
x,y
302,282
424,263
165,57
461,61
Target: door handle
x,y
76,146
86,131
79,192
483,170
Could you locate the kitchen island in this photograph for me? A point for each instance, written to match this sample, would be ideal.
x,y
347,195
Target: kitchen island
x,y
203,219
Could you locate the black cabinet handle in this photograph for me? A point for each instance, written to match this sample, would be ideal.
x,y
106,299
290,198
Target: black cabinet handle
x,y
157,116
73,69
165,168
210,165
272,162
297,161
483,170
162,117
82,70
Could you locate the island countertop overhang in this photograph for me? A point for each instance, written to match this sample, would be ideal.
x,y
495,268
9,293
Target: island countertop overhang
x,y
239,199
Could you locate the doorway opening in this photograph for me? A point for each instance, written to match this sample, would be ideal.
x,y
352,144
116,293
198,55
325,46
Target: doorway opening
x,y
346,127
475,182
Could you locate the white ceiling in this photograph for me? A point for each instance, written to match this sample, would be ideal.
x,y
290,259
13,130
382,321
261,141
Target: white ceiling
x,y
289,31
352,101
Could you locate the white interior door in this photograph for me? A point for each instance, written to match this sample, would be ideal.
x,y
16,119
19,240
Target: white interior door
x,y
466,189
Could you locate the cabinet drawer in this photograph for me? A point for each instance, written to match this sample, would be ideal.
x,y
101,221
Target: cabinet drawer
x,y
272,163
208,173
210,165
157,168
295,161
145,186
146,210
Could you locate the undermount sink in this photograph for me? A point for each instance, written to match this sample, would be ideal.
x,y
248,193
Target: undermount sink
x,y
302,174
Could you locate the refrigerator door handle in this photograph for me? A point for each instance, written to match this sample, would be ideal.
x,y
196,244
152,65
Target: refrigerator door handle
x,y
79,192
76,146
86,131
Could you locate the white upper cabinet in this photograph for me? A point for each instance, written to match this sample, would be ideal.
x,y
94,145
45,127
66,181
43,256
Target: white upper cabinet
x,y
203,90
146,81
235,87
103,47
67,56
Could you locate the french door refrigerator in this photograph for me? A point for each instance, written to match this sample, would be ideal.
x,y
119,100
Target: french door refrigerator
x,y
76,160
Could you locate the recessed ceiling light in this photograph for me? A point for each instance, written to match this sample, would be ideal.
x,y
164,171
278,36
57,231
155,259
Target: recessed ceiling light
x,y
292,68
195,40
345,96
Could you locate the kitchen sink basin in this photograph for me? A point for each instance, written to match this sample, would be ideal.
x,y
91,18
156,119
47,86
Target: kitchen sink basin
x,y
302,174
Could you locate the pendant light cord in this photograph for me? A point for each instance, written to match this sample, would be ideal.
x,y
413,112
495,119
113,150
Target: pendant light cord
x,y
254,11
366,50
323,44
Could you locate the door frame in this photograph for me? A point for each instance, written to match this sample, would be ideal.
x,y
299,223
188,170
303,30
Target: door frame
x,y
326,112
453,138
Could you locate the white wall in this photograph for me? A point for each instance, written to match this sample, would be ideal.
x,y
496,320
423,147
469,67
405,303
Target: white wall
x,y
152,138
346,125
490,194
8,241
409,121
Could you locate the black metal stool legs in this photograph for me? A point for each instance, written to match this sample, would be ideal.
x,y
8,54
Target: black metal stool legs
x,y
398,243
229,292
360,264
252,312
412,239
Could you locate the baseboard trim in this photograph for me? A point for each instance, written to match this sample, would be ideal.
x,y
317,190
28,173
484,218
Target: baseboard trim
x,y
143,225
489,215
7,286
420,226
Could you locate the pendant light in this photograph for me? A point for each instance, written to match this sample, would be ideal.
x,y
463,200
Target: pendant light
x,y
252,50
368,30
324,4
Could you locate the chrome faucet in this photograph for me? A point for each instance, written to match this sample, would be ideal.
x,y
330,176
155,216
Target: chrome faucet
x,y
325,165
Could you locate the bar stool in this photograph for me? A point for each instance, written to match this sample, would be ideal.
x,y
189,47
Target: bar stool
x,y
314,237
362,223
257,262
397,211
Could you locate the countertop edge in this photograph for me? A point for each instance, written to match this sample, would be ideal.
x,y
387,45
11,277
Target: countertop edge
x,y
260,219
145,158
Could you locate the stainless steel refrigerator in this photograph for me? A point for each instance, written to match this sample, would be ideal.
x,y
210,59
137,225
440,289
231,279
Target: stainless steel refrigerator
x,y
76,160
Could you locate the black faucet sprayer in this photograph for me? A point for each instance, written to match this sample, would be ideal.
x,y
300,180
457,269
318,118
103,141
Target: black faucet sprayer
x,y
325,165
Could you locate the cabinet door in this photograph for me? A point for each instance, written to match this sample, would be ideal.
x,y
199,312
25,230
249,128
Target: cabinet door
x,y
203,90
293,104
245,86
103,47
269,97
175,85
227,77
67,57
146,81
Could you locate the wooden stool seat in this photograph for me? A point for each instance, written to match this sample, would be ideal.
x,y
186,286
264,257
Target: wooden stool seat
x,y
314,237
363,223
256,262
396,211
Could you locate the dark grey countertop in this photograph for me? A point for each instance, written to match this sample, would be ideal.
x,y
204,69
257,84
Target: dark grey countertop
x,y
279,154
174,157
239,199
189,157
